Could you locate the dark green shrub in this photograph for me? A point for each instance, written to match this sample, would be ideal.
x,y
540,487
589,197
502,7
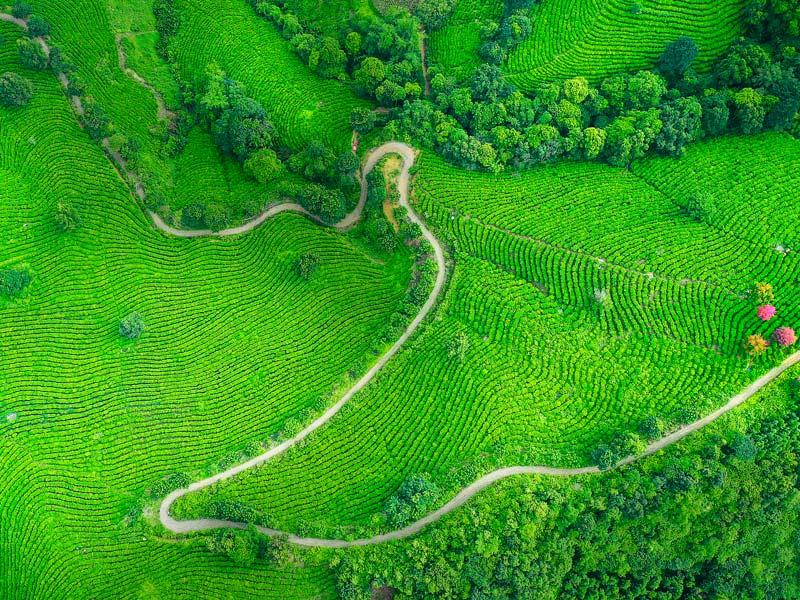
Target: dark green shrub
x,y
132,326
306,265
14,281
31,54
15,90
38,27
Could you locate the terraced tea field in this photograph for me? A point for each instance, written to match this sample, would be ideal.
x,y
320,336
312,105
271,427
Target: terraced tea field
x,y
530,316
88,420
547,375
303,106
597,38
455,46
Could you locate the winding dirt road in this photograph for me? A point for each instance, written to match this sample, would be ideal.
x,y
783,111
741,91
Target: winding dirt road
x,y
407,154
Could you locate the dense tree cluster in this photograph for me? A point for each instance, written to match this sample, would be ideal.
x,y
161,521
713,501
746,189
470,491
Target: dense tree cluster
x,y
32,54
379,55
485,123
716,521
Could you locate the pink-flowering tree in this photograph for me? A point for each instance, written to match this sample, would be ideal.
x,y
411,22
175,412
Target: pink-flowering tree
x,y
766,312
784,336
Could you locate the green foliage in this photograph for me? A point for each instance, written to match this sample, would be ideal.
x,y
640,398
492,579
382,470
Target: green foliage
x,y
67,217
415,497
458,347
241,547
315,162
97,124
306,265
132,326
707,520
38,27
263,166
678,56
702,207
433,14
31,54
168,484
14,281
21,9
652,428
15,90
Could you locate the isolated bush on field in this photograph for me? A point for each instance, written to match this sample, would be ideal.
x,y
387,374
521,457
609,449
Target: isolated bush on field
x,y
15,90
132,326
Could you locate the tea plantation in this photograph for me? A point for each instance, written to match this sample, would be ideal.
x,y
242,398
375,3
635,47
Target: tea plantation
x,y
403,299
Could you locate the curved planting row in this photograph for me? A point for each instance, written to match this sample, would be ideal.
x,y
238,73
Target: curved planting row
x,y
597,38
303,106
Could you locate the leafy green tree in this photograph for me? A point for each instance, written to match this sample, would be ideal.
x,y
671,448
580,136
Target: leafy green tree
x,y
741,63
315,162
576,90
702,207
614,89
352,43
240,547
593,142
215,97
744,447
15,90
515,28
14,281
370,74
347,166
244,128
306,265
682,124
21,9
95,121
67,217
652,428
604,457
416,496
57,61
433,14
362,120
327,58
38,27
678,56
263,166
217,217
193,215
716,113
31,54
751,109
132,326
645,90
